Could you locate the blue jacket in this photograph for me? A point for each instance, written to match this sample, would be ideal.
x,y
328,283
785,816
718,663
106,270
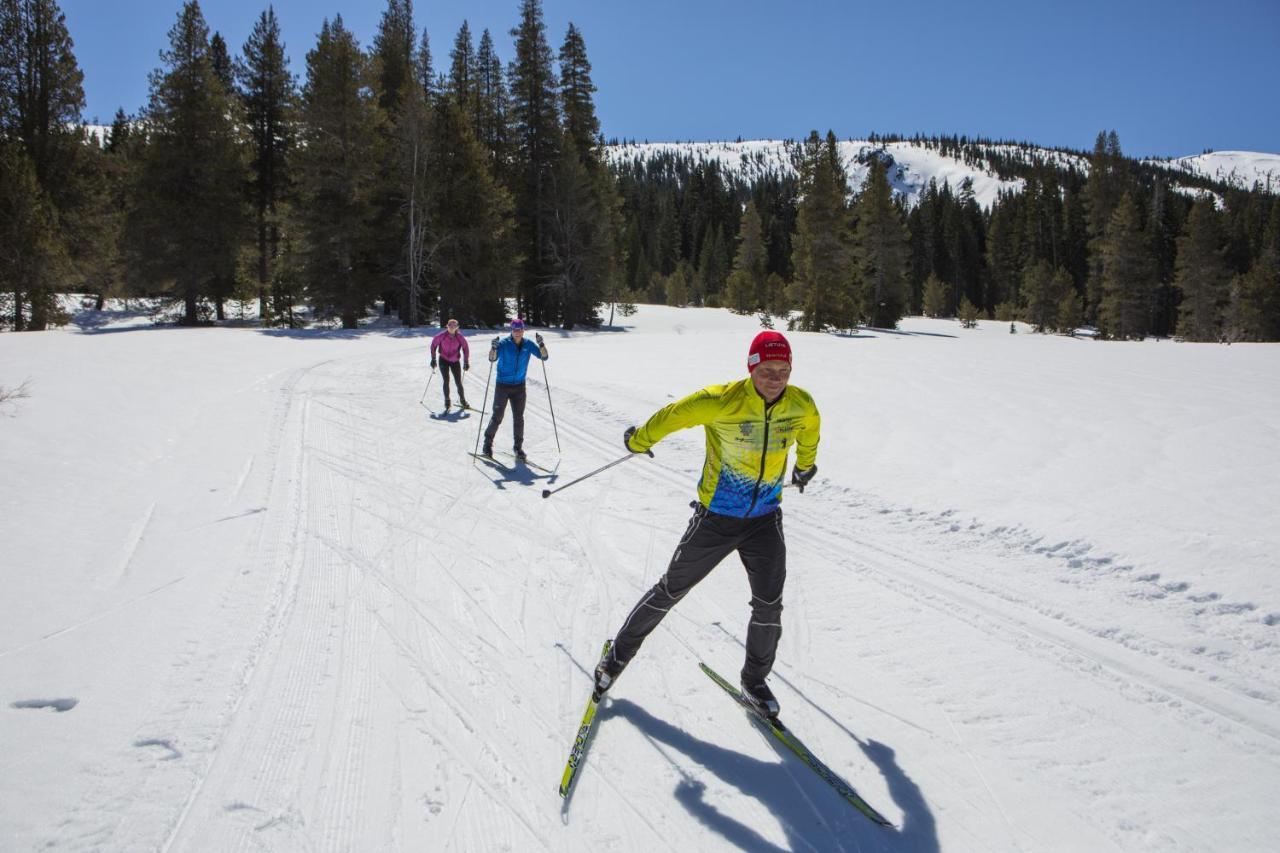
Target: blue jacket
x,y
513,360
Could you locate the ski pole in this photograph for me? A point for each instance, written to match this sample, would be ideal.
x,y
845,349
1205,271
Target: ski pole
x,y
546,493
480,427
428,388
554,428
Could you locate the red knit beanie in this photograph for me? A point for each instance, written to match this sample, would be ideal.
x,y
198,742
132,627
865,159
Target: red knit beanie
x,y
768,346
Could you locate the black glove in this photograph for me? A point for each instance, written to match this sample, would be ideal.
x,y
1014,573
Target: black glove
x,y
537,336
433,362
493,350
466,365
626,439
800,479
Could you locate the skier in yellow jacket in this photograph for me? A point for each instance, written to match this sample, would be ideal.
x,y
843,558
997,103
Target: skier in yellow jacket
x,y
750,426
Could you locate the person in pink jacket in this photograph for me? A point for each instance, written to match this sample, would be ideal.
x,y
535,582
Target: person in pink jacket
x,y
452,347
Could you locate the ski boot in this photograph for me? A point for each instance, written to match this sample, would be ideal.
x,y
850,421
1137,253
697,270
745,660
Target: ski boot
x,y
760,697
519,452
487,450
607,672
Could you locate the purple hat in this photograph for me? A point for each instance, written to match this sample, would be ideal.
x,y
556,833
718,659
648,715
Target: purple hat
x,y
517,323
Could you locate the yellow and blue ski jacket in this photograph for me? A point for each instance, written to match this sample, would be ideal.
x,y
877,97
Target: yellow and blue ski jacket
x,y
747,442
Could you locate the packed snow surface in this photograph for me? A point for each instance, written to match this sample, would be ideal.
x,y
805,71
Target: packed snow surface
x,y
257,597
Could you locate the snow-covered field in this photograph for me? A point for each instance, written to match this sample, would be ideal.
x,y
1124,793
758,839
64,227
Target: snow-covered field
x,y
256,597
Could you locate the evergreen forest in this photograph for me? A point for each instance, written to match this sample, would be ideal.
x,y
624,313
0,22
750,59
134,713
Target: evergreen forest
x,y
460,179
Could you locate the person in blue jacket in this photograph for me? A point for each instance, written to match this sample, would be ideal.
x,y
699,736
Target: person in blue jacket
x,y
512,355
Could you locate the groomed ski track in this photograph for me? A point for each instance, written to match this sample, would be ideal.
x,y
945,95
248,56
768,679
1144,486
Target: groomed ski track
x,y
399,654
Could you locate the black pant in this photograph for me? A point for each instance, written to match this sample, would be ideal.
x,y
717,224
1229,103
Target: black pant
x,y
454,367
501,395
708,540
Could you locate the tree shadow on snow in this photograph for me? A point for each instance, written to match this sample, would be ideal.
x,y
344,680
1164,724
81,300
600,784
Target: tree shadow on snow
x,y
808,811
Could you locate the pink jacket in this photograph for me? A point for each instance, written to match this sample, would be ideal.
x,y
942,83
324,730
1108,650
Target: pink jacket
x,y
449,345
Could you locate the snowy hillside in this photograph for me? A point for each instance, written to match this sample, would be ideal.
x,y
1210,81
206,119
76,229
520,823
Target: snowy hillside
x,y
1243,169
915,165
256,597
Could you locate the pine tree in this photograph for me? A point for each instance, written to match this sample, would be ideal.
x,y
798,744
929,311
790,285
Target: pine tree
x,y
188,218
881,251
30,255
1127,277
40,103
1102,195
41,96
677,284
1042,288
582,239
746,284
1070,310
269,93
461,84
220,59
968,313
1254,312
393,71
822,252
935,300
535,131
490,122
576,90
1202,276
335,175
469,241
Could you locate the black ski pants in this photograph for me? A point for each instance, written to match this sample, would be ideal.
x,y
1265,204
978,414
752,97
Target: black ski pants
x,y
455,367
708,540
514,394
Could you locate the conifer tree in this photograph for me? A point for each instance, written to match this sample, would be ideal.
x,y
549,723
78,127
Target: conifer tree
x,y
220,59
822,252
462,72
1127,275
677,286
40,103
1041,295
968,313
393,72
269,93
576,93
1254,312
490,122
188,218
1202,276
1102,194
335,175
935,299
1070,312
30,255
746,284
880,251
535,132
469,241
583,234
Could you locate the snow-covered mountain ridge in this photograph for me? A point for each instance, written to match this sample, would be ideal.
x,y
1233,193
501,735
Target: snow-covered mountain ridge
x,y
915,164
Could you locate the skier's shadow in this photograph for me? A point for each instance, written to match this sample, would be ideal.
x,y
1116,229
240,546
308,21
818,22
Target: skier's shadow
x,y
517,473
838,825
451,416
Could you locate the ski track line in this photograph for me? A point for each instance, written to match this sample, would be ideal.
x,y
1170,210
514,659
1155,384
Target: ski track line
x,y
477,774
276,551
1103,667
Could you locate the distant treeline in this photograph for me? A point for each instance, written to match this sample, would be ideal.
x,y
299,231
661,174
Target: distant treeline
x,y
1092,237
372,179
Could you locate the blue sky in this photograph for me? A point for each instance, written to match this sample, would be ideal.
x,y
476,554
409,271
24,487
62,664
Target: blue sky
x,y
1172,78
